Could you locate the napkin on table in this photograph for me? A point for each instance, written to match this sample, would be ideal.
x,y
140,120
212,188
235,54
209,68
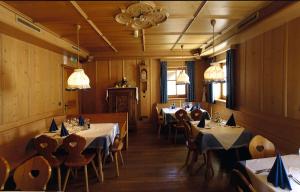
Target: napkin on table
x,y
231,121
278,176
81,120
53,126
63,132
201,124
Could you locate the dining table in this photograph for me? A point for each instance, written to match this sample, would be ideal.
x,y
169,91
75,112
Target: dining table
x,y
217,136
169,117
257,171
98,136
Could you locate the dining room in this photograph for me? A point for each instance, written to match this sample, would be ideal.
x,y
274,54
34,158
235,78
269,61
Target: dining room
x,y
149,96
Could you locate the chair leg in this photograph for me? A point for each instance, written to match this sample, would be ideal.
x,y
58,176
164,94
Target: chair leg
x,y
59,178
187,157
96,171
116,163
121,157
86,178
169,132
66,179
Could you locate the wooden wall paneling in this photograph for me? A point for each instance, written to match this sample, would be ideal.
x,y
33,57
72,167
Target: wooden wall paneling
x,y
131,71
293,68
155,81
1,81
145,105
273,73
240,75
116,70
253,73
88,96
15,79
103,70
200,67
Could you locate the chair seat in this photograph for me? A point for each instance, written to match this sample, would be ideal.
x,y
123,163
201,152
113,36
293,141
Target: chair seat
x,y
87,158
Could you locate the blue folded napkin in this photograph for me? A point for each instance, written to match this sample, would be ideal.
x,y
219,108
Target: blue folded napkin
x,y
63,132
231,121
81,120
53,126
278,176
201,124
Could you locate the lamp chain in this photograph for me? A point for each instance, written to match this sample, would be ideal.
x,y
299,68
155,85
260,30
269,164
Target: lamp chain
x,y
78,28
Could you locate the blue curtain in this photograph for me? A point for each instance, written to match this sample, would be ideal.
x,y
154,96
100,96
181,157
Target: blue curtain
x,y
230,63
163,82
210,94
190,72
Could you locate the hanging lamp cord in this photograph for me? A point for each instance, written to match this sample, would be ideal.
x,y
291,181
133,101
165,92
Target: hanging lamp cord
x,y
78,28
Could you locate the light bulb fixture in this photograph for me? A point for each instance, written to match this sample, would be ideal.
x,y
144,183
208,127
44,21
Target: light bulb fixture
x,y
214,73
78,79
182,78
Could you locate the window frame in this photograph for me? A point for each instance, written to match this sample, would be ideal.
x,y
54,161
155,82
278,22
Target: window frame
x,y
221,95
179,68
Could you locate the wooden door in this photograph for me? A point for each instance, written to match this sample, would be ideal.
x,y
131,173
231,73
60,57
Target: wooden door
x,y
71,101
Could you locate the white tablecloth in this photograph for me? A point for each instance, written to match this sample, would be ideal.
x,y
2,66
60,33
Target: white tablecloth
x,y
104,132
259,181
225,135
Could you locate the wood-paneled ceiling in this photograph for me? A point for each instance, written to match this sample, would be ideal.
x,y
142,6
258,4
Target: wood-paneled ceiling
x,y
62,16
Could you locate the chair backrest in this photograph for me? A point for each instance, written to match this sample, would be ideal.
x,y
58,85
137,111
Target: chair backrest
x,y
33,175
196,114
46,146
261,147
4,172
74,145
240,182
181,115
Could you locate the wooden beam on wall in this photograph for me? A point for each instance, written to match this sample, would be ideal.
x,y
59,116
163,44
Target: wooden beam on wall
x,y
44,38
143,40
92,24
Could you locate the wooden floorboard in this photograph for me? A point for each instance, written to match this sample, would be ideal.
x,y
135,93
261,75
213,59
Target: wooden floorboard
x,y
153,164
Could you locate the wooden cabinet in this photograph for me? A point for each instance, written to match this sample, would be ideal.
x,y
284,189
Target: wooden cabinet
x,y
124,100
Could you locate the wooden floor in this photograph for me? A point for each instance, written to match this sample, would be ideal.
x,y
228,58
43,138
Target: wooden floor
x,y
153,164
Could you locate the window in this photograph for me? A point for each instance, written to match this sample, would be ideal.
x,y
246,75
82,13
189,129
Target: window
x,y
220,89
175,91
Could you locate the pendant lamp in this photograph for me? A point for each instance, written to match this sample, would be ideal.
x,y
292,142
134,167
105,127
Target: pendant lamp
x,y
182,78
78,79
214,73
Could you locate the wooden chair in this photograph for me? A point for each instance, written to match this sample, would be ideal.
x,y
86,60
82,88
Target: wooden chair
x,y
181,116
117,146
260,147
191,145
47,146
4,172
74,145
158,120
33,175
196,114
240,182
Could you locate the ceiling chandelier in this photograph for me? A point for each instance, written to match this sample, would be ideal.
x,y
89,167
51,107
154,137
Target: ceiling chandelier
x,y
182,78
142,15
214,73
78,79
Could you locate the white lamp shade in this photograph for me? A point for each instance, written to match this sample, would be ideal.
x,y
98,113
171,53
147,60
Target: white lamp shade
x,y
183,78
78,80
214,74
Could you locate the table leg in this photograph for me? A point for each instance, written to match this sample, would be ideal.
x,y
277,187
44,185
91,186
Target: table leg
x,y
100,165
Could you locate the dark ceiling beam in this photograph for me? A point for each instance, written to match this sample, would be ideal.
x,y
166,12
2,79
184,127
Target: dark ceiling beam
x,y
189,23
